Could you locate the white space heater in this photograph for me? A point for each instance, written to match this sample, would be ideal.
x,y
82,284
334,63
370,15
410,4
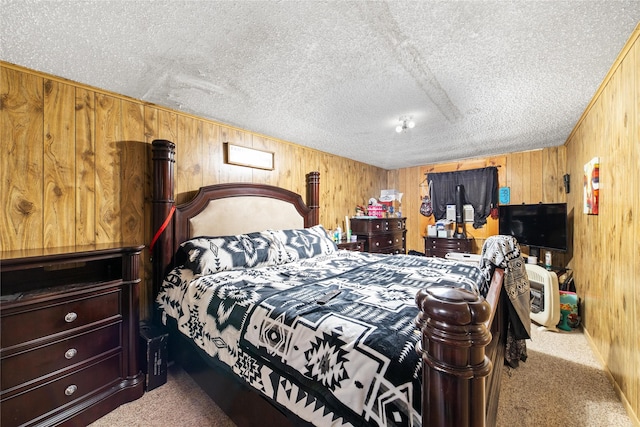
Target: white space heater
x,y
473,259
545,296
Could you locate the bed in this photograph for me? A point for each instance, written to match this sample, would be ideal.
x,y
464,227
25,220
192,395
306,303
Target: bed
x,y
400,340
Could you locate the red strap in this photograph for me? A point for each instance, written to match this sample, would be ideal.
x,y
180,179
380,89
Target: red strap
x,y
162,227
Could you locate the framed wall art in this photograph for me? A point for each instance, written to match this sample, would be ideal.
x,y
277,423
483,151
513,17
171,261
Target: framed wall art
x,y
591,186
250,157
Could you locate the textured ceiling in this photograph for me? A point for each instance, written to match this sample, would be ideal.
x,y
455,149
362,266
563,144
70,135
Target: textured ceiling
x,y
478,77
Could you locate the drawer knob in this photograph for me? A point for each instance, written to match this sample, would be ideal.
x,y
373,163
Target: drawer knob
x,y
70,390
71,353
70,317
377,243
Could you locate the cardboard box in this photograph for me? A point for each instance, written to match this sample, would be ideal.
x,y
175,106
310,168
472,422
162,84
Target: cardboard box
x,y
153,354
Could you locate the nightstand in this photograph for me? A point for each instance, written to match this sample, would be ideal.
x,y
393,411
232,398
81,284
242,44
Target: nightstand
x,y
357,246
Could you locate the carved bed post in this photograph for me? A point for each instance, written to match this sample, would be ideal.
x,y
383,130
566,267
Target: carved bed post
x,y
163,155
313,196
454,337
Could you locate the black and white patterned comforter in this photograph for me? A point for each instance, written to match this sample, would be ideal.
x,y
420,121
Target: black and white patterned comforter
x,y
350,361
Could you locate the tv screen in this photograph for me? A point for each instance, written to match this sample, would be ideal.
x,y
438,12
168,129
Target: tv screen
x,y
543,225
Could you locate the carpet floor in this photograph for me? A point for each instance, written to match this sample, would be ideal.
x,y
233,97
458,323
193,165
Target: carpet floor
x,y
561,384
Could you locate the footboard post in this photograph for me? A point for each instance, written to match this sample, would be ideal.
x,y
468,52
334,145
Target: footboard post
x,y
454,337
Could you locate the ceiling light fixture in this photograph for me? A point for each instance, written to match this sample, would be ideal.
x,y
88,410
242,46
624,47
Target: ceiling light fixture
x,y
406,122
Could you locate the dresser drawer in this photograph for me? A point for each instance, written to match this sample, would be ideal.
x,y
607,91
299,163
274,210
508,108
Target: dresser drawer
x,y
357,246
439,247
23,325
30,365
39,401
372,226
385,241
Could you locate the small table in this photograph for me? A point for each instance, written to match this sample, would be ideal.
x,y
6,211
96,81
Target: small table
x,y
358,245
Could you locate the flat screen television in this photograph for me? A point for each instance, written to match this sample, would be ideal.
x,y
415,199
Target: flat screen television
x,y
543,225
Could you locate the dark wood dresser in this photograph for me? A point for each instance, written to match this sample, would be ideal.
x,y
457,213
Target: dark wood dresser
x,y
381,235
440,246
69,325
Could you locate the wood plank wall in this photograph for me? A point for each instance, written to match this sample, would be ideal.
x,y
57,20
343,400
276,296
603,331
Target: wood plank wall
x,y
532,176
606,263
76,165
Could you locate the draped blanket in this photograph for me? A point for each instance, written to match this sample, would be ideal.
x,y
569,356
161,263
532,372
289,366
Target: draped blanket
x,y
504,252
351,361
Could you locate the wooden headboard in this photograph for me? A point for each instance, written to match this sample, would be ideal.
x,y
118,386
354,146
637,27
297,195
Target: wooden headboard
x,y
219,210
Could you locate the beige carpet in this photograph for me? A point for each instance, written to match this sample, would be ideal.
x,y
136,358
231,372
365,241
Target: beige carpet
x,y
561,384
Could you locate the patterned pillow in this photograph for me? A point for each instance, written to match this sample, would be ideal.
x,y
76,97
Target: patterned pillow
x,y
292,245
206,255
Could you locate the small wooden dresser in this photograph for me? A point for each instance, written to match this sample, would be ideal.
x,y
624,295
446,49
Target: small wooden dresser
x,y
69,325
381,235
440,246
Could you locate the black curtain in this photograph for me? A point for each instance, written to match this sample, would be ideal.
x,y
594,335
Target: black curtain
x,y
480,191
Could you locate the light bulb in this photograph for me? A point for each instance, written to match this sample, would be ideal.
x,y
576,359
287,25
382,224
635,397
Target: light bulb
x,y
399,128
411,124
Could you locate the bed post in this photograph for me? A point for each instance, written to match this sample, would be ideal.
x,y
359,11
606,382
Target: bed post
x,y
454,337
163,155
313,196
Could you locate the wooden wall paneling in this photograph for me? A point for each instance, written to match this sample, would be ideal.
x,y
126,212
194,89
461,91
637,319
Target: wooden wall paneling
x,y
108,168
407,182
283,171
621,357
538,176
549,176
633,391
351,192
85,160
298,165
134,176
611,216
632,285
281,174
167,125
343,198
59,164
515,178
525,171
212,156
188,158
262,176
331,190
21,141
352,189
134,156
411,208
322,165
234,173
605,255
562,170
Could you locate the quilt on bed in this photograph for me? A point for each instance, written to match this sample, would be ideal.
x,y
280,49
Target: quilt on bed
x,y
351,361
